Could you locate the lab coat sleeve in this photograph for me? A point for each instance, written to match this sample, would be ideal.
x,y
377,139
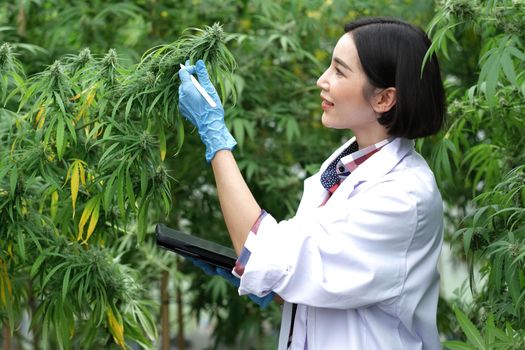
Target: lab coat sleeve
x,y
244,257
345,256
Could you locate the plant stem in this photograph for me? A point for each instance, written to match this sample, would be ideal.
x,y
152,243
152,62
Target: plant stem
x,y
165,315
180,316
7,338
32,307
21,20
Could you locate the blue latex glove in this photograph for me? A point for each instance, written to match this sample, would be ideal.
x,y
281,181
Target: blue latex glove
x,y
263,302
208,120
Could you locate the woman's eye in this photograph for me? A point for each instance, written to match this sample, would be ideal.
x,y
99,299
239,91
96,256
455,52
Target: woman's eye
x,y
338,72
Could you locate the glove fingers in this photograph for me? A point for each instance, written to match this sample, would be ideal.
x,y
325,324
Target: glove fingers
x,y
263,302
227,275
203,76
186,72
208,269
190,68
184,75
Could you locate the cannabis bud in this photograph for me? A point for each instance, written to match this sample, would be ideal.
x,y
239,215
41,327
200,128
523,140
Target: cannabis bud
x,y
111,58
84,57
149,78
215,33
6,57
463,10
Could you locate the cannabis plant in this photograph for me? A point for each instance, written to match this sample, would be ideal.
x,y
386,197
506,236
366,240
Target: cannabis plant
x,y
82,168
480,165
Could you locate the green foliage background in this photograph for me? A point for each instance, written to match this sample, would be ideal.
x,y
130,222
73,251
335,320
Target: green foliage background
x,y
280,48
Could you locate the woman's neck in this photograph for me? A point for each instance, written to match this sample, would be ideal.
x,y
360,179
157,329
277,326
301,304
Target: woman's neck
x,y
370,138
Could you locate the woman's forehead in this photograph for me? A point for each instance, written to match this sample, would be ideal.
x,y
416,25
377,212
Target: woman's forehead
x,y
346,50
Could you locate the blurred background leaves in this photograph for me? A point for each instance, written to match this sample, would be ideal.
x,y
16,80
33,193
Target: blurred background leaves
x,y
90,133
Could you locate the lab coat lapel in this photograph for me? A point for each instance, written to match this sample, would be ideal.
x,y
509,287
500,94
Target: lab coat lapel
x,y
314,193
374,168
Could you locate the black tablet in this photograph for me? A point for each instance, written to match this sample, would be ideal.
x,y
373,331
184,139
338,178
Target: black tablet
x,y
185,244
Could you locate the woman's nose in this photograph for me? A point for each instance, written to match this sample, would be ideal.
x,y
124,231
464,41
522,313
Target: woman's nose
x,y
322,83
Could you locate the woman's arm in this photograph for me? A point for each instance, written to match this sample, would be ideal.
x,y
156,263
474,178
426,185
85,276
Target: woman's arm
x,y
239,207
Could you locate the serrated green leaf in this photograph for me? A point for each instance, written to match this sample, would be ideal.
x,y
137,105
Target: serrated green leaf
x,y
143,183
121,191
13,179
508,68
4,171
512,280
107,153
60,103
147,322
65,284
457,345
153,104
21,245
129,190
162,143
60,138
517,53
292,129
472,333
72,131
180,134
128,107
52,272
467,238
143,219
109,192
36,265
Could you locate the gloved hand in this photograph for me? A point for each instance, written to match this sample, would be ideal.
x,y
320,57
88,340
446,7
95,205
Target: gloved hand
x,y
208,120
263,302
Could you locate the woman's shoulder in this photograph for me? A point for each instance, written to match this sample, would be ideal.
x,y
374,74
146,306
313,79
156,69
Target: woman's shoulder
x,y
413,176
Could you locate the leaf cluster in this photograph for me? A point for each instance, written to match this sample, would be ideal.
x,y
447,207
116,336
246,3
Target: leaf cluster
x,y
82,166
493,338
479,162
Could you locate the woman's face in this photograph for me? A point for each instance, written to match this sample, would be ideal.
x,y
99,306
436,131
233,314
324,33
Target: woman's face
x,y
342,87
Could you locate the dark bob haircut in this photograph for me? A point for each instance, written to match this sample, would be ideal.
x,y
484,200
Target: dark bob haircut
x,y
391,52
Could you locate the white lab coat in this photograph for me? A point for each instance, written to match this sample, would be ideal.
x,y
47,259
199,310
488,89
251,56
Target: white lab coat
x,y
363,267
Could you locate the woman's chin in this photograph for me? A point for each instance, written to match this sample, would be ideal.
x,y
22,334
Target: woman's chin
x,y
329,123
325,120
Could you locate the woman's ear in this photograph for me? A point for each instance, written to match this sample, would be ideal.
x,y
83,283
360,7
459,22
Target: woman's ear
x,y
384,100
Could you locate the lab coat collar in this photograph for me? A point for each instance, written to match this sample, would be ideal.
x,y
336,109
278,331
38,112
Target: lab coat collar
x,y
367,174
375,167
378,164
383,161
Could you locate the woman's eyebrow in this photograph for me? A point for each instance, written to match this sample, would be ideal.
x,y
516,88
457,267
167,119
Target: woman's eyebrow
x,y
342,63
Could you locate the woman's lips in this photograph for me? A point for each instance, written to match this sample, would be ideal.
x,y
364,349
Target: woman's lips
x,y
325,105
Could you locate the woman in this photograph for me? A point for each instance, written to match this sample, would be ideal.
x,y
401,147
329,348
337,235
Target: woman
x,y
359,259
